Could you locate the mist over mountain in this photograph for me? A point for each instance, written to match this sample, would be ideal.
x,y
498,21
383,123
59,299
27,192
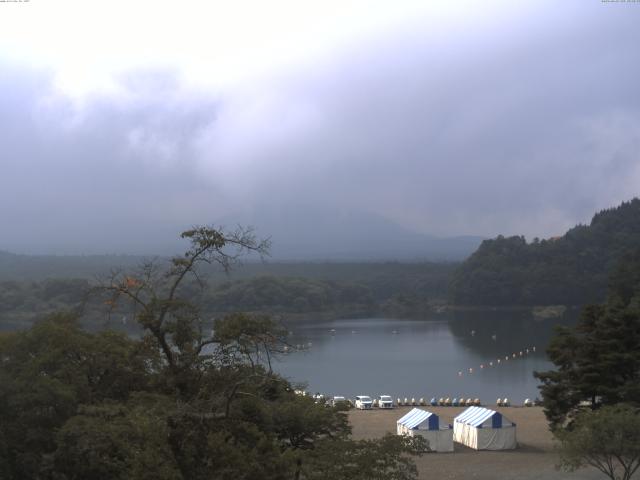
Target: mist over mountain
x,y
345,236
318,236
442,119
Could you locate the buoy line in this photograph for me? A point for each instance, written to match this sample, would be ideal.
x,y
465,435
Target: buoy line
x,y
499,361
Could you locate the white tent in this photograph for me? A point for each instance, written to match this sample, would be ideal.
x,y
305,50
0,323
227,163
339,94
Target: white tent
x,y
427,425
484,429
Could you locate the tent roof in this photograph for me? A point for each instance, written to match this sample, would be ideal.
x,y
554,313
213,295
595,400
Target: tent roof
x,y
414,418
475,416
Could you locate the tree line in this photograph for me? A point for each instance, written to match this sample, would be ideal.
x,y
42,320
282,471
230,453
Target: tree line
x,y
569,270
396,289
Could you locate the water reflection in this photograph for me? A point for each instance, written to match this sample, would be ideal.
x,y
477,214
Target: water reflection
x,y
489,333
422,358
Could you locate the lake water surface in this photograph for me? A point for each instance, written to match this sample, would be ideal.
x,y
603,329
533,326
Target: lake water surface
x,y
422,358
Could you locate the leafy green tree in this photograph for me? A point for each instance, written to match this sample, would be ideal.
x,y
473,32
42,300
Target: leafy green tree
x,y
46,373
598,361
607,439
384,459
117,441
185,401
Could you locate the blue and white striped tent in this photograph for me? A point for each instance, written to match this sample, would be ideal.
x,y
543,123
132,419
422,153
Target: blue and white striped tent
x,y
484,429
427,424
420,419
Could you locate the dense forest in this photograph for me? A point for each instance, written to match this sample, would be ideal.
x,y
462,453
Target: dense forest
x,y
328,289
568,270
178,402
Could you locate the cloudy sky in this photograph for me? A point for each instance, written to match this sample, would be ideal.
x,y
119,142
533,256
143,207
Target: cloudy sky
x,y
124,122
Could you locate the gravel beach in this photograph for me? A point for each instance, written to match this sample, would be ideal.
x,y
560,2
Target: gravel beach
x,y
533,459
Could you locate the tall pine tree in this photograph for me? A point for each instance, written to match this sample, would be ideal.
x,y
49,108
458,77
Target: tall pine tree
x,y
598,361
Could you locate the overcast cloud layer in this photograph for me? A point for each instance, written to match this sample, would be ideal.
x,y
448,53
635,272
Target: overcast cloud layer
x,y
517,121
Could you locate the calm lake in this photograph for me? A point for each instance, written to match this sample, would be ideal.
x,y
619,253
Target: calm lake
x,y
422,358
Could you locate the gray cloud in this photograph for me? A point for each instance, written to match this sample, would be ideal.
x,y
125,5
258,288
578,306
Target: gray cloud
x,y
505,128
104,175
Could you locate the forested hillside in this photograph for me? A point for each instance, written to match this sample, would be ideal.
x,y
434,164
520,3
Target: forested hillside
x,y
331,289
571,270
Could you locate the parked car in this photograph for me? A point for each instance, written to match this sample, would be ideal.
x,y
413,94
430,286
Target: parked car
x,y
337,400
363,402
385,401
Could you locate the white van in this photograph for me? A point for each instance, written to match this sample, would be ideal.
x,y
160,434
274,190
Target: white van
x,y
363,402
